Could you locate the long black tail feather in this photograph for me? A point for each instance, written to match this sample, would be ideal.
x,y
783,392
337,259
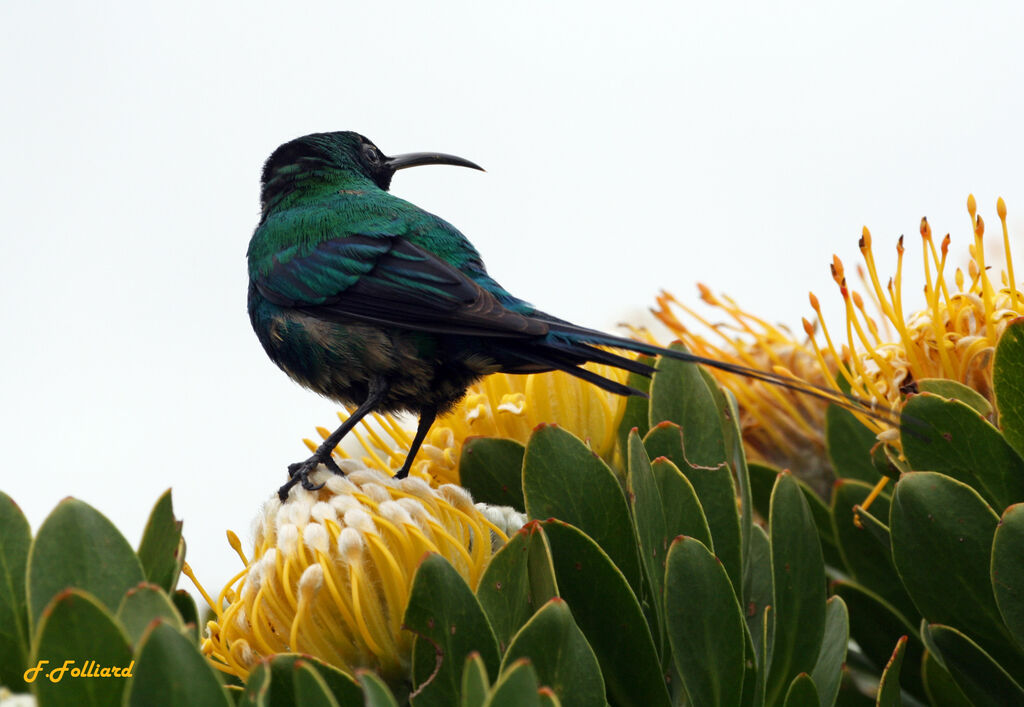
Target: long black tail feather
x,y
569,338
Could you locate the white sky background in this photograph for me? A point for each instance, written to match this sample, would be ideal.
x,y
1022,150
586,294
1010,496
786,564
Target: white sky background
x,y
627,150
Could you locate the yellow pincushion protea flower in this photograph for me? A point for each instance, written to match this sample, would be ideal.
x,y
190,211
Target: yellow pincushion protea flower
x,y
332,569
500,405
953,337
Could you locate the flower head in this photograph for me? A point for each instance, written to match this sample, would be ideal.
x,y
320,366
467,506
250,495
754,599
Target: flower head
x,y
332,569
954,336
500,405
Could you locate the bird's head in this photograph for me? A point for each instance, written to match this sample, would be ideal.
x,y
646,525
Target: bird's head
x,y
342,156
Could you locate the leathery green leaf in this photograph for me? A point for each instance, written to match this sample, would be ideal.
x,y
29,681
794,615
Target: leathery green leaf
x,y
952,390
680,394
715,489
475,683
518,580
648,519
76,640
982,680
144,604
560,654
1008,380
517,686
802,692
828,669
798,570
868,561
849,442
876,627
608,613
942,534
78,547
492,470
375,690
15,539
564,479
889,686
1008,570
952,438
160,545
705,625
449,625
170,670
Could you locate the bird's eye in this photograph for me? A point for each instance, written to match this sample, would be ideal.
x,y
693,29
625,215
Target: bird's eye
x,y
371,155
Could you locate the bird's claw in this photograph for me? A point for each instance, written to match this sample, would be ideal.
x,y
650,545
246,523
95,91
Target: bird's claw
x,y
299,472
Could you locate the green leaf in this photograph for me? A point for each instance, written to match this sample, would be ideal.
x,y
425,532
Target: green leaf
x,y
867,560
492,470
516,687
982,680
1008,379
951,438
15,539
889,686
341,685
679,394
849,444
170,670
876,626
757,591
311,689
952,390
715,489
609,615
518,580
564,479
78,547
705,625
802,692
873,524
288,685
187,610
449,625
681,508
560,654
160,545
938,524
637,407
828,669
939,685
648,521
257,687
141,606
376,691
1008,570
76,633
475,683
798,570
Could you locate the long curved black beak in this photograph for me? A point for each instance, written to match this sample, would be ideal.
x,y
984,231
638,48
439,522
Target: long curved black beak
x,y
415,159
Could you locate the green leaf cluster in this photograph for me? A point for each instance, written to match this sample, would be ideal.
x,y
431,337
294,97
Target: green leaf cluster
x,y
685,577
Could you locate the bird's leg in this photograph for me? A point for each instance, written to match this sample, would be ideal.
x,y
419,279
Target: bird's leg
x,y
427,417
300,471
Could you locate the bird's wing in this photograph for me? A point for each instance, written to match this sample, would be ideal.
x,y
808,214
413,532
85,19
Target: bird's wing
x,y
385,279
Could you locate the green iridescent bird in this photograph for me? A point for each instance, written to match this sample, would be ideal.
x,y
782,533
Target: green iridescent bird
x,y
373,302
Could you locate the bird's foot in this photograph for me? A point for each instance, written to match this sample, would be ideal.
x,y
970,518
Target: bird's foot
x,y
299,473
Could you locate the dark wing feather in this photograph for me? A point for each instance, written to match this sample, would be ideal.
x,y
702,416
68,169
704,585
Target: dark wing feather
x,y
390,281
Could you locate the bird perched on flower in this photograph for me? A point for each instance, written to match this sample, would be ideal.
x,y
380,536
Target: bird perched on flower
x,y
371,301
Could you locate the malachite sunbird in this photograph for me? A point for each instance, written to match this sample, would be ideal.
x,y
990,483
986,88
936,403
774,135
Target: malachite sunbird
x,y
373,302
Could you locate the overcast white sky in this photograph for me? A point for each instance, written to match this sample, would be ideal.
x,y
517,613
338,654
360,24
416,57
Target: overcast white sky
x,y
627,150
